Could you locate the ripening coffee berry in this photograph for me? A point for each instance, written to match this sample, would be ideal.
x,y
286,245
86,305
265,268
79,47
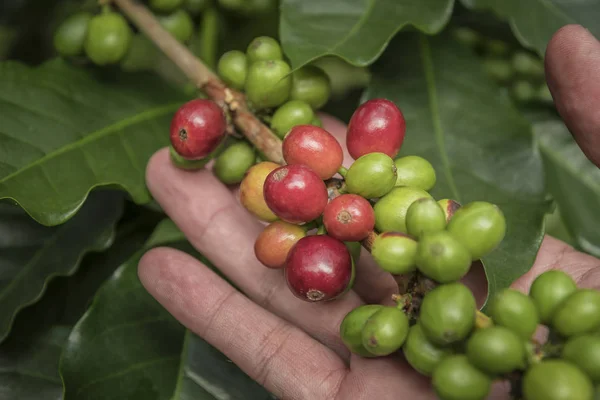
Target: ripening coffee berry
x,y
179,23
395,252
479,226
442,258
420,353
415,171
295,193
548,290
385,331
231,165
165,6
457,379
377,126
108,38
349,218
263,48
251,190
584,352
290,114
449,206
578,314
70,35
274,243
311,85
315,147
555,379
352,326
319,268
447,313
268,84
233,68
197,128
425,216
515,311
372,175
390,210
496,350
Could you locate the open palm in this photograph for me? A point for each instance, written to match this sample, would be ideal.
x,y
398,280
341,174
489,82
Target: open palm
x,y
292,347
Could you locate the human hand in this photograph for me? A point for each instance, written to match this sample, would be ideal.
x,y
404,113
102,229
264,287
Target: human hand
x,y
291,347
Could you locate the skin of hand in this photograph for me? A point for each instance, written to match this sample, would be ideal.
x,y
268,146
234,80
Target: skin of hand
x,y
291,347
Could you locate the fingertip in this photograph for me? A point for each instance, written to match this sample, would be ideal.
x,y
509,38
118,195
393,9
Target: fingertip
x,y
151,265
156,165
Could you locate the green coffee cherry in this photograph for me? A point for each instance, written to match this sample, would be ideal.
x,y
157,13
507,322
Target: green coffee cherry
x,y
515,311
372,175
523,91
165,6
420,353
391,209
555,379
179,24
195,7
70,35
496,47
182,163
548,290
311,85
263,48
142,54
268,84
442,258
584,352
394,252
317,121
467,36
385,331
425,216
416,172
479,226
355,249
456,379
499,70
579,313
526,64
231,165
447,313
232,68
108,38
496,350
544,95
352,326
290,114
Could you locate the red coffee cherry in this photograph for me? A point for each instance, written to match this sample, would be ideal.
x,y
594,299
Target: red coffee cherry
x,y
377,126
349,218
315,147
319,268
295,193
197,128
275,241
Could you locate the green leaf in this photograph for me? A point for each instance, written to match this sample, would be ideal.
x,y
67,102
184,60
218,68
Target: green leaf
x,y
66,130
478,143
355,30
128,346
33,254
535,21
574,182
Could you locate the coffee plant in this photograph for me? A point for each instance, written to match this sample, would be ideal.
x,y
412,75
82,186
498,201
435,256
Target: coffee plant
x,y
454,159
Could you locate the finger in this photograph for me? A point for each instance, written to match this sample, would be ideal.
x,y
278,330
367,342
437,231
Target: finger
x,y
223,231
276,354
573,74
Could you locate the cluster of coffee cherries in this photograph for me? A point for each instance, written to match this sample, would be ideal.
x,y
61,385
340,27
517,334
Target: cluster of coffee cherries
x,y
280,97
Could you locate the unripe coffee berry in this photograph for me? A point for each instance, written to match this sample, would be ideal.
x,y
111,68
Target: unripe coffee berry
x,y
315,147
479,226
457,379
290,114
349,218
555,379
295,193
385,331
179,24
449,206
231,165
311,85
424,216
70,35
415,171
578,314
442,258
263,48
376,126
549,290
390,210
584,352
352,326
197,128
233,68
274,243
372,175
496,350
108,38
319,268
516,311
268,83
395,252
251,190
420,353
